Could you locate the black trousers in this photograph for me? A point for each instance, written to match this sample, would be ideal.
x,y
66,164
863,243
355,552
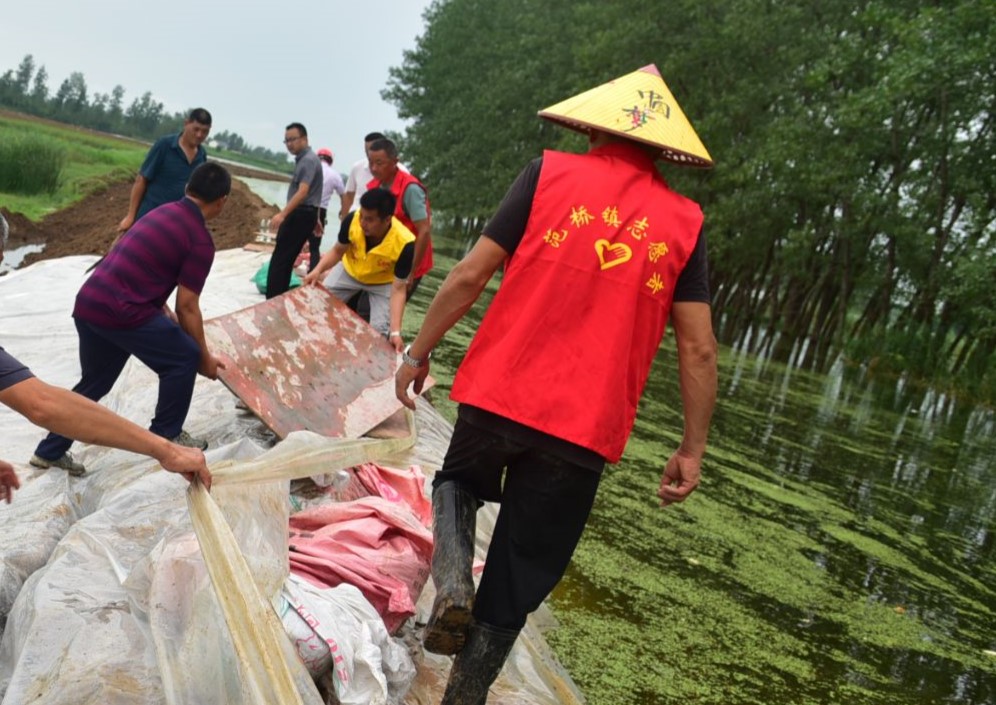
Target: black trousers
x,y
360,302
545,504
162,345
291,236
315,242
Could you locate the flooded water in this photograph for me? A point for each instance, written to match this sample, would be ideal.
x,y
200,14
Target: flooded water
x,y
839,550
273,192
13,256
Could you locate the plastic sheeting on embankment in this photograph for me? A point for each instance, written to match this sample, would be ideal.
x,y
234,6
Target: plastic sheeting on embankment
x,y
113,601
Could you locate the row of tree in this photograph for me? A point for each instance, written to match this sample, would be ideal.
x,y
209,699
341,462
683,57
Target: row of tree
x,y
26,89
851,209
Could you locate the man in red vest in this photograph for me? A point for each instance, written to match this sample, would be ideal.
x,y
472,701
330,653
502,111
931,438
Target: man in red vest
x,y
413,209
599,254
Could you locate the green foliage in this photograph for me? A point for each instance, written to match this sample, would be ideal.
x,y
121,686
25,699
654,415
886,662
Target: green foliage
x,y
853,196
30,165
472,88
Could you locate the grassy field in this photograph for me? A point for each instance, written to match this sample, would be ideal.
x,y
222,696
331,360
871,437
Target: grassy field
x,y
91,161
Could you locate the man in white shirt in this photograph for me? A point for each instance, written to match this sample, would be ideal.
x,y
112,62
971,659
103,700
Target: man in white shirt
x,y
331,182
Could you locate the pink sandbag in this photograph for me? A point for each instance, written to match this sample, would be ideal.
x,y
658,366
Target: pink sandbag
x,y
398,486
377,545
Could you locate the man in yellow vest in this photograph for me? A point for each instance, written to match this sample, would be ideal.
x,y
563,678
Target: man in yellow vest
x,y
374,253
599,254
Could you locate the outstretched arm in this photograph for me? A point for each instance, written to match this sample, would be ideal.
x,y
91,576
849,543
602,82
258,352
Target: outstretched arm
x,y
328,260
399,291
137,193
188,315
692,322
75,416
294,201
458,292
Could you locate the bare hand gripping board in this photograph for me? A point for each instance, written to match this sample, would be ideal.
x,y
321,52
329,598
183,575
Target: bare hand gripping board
x,y
304,361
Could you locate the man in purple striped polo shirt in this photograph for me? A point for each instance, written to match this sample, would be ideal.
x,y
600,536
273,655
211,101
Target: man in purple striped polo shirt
x,y
122,310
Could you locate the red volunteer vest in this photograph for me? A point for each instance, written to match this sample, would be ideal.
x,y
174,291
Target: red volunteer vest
x,y
567,343
401,181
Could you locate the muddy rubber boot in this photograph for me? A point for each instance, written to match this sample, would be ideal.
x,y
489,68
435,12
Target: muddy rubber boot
x,y
454,515
478,664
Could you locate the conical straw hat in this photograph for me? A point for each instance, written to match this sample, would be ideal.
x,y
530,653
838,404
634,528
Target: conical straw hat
x,y
638,106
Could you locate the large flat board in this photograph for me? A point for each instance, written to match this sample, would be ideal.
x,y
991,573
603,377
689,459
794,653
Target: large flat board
x,y
303,360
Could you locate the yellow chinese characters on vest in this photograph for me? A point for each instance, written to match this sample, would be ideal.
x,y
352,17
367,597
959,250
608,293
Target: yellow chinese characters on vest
x,y
613,252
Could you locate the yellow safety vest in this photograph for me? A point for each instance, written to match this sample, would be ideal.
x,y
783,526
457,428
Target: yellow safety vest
x,y
377,265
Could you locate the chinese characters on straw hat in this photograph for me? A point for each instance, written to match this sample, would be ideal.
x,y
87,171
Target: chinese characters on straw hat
x,y
638,106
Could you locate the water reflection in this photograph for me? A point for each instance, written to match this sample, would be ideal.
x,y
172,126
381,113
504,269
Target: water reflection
x,y
840,549
894,488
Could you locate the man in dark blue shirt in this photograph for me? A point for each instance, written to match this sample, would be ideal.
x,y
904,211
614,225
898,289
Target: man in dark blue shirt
x,y
167,167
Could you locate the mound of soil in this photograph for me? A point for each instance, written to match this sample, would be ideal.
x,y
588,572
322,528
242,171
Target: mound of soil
x,y
89,226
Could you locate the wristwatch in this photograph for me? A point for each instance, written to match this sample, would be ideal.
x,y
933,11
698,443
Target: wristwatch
x,y
414,361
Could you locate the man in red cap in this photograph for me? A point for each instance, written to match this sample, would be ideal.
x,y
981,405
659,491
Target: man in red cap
x,y
599,255
331,182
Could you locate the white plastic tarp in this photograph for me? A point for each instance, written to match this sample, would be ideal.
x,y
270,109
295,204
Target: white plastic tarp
x,y
118,607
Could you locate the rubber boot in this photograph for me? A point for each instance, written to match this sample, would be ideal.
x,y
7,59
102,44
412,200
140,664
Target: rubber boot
x,y
454,514
478,664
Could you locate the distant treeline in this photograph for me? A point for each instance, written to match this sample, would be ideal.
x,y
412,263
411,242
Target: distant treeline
x,y
26,89
851,214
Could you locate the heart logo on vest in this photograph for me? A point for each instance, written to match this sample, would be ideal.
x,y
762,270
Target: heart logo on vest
x,y
610,255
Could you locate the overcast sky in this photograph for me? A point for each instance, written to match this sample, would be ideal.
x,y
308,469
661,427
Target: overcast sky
x,y
255,66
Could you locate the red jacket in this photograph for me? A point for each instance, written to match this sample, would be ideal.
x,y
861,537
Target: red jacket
x,y
398,186
567,343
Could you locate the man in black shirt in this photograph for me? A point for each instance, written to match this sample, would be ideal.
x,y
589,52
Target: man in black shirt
x,y
599,254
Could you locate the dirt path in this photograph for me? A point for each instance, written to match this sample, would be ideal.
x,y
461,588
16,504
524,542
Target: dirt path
x,y
88,227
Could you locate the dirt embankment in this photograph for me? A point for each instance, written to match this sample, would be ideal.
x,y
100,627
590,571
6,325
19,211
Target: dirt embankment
x,y
89,226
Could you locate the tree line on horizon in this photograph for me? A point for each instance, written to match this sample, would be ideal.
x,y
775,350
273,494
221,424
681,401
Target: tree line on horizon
x,y
851,213
26,89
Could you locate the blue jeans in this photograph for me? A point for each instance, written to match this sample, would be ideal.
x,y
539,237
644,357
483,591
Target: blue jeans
x,y
161,345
